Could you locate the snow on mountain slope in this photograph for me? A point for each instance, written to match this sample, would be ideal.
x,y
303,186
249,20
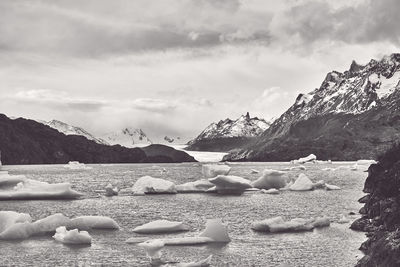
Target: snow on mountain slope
x,y
67,129
355,91
128,137
244,126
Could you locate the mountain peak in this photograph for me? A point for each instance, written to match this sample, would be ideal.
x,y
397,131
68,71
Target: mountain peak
x,y
244,126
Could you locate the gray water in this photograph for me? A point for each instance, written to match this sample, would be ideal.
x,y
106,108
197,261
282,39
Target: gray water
x,y
336,245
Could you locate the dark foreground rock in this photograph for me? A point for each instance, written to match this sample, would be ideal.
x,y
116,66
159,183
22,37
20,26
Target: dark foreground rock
x,y
25,141
382,212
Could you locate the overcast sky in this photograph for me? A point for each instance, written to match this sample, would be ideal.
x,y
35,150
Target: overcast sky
x,y
171,67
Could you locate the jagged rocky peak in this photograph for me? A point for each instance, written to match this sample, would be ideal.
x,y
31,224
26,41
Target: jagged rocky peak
x,y
244,126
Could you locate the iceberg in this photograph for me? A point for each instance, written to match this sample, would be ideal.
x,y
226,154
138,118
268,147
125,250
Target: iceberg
x,y
153,248
194,187
309,158
216,231
343,219
21,188
302,183
278,225
76,165
161,226
150,185
331,187
213,170
229,184
362,165
72,237
93,222
254,171
20,226
295,168
270,179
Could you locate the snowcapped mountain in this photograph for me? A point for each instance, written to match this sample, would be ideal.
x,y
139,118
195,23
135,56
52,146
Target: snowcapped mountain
x,y
67,129
244,126
352,115
353,92
128,137
229,134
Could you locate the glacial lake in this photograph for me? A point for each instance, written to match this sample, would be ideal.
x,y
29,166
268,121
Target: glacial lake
x,y
336,245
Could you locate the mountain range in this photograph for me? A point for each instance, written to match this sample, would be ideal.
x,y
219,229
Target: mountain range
x,y
352,115
229,134
24,141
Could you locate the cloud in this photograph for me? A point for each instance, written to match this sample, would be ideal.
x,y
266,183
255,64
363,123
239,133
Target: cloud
x,y
57,100
153,105
309,22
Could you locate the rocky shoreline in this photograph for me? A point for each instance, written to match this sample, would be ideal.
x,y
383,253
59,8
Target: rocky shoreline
x,y
381,212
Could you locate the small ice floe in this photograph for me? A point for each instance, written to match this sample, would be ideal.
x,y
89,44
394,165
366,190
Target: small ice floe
x,y
277,224
309,158
331,187
271,191
213,170
199,186
20,226
21,188
150,185
161,226
253,171
229,184
343,219
111,191
72,237
154,248
215,232
302,183
76,165
270,179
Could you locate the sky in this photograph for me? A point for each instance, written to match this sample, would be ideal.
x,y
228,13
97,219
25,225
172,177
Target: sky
x,y
172,67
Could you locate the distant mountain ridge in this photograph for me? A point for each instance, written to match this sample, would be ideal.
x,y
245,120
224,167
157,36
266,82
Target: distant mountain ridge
x,y
67,129
229,134
360,100
24,141
127,137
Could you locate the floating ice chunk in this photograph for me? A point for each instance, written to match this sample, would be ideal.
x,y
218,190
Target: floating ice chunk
x,y
270,179
302,183
153,248
139,193
9,218
161,226
110,191
354,167
309,158
213,170
150,185
197,186
31,189
93,222
136,240
271,191
295,168
277,224
216,231
362,165
331,187
229,184
254,171
72,237
20,226
187,240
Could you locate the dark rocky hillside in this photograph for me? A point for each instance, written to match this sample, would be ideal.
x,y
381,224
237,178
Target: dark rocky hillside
x,y
161,153
25,141
381,212
353,115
